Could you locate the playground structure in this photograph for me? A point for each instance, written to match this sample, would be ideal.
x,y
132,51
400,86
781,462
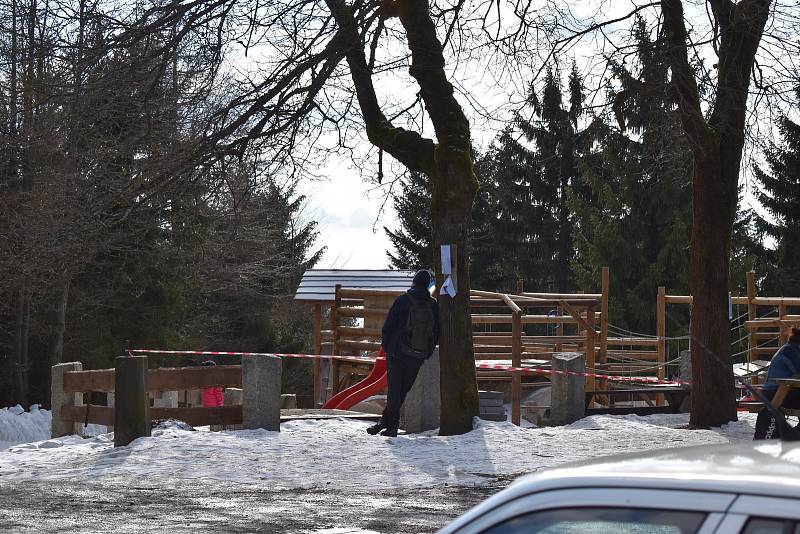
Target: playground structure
x,y
524,329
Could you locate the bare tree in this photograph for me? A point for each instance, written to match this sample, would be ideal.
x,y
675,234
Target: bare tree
x,y
752,48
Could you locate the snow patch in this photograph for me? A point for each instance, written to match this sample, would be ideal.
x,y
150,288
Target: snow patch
x,y
338,453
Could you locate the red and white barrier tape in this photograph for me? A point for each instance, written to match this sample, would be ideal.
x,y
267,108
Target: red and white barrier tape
x,y
366,359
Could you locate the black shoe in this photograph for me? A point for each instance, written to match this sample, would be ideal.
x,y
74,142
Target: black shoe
x,y
377,427
390,433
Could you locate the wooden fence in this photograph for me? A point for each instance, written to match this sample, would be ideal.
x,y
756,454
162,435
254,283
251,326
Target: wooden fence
x,y
158,380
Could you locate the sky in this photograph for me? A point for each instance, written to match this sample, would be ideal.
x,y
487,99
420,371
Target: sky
x,y
347,208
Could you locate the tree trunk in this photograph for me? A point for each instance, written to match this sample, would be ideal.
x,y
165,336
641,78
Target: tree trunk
x,y
453,194
714,403
21,336
57,350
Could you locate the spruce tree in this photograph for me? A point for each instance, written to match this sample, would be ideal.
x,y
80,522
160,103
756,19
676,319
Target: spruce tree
x,y
779,194
634,214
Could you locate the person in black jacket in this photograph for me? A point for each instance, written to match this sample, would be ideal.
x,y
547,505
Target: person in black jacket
x,y
402,360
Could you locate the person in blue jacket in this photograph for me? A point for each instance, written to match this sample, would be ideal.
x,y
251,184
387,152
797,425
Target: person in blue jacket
x,y
409,335
785,364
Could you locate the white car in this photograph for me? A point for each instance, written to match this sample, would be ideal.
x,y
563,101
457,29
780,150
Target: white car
x,y
749,488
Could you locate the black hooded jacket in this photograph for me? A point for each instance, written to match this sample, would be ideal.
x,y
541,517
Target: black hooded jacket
x,y
398,315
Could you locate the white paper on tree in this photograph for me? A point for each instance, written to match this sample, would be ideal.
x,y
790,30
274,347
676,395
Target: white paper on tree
x,y
446,269
449,288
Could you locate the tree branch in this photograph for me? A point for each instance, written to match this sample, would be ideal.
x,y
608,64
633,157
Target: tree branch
x,y
674,32
409,148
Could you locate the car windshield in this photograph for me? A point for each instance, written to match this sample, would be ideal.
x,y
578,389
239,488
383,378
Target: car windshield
x,y
602,521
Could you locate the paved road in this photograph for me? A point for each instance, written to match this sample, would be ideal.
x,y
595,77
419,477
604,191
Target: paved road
x,y
134,505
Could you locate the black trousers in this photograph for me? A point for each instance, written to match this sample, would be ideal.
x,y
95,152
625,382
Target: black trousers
x,y
402,372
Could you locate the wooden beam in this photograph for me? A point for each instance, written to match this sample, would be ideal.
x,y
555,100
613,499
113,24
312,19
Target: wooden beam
x,y
359,345
526,319
752,343
360,313
85,381
584,323
333,373
98,415
180,378
661,333
513,305
516,361
317,350
350,292
604,289
356,331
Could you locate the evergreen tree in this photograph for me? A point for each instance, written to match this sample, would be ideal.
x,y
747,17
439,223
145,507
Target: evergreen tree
x,y
780,196
412,240
528,183
636,216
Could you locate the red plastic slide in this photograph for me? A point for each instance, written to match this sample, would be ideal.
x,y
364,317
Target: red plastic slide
x,y
372,384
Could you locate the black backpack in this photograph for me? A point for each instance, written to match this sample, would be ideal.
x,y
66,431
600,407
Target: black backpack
x,y
417,339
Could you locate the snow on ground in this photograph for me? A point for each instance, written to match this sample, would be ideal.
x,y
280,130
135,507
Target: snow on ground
x,y
18,426
339,454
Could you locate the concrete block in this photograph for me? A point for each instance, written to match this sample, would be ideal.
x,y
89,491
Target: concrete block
x,y
166,399
422,406
232,396
261,385
58,398
289,401
568,392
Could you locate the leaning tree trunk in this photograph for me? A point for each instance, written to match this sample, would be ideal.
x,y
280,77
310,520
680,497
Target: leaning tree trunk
x,y
713,404
453,193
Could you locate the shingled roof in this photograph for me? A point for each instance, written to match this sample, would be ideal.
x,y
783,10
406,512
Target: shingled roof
x,y
319,285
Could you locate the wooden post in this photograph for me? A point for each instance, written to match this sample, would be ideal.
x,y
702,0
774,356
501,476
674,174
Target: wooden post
x,y
131,402
317,352
516,361
784,331
520,287
661,334
333,385
752,339
591,362
559,329
605,283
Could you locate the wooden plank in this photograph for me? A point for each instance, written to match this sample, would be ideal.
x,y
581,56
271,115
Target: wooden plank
x,y
361,313
591,363
633,341
516,361
359,345
359,332
315,387
570,296
752,342
514,308
179,378
98,415
584,323
86,381
350,292
661,334
605,282
526,319
333,373
201,416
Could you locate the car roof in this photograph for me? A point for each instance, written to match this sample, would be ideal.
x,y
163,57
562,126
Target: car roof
x,y
765,468
759,467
